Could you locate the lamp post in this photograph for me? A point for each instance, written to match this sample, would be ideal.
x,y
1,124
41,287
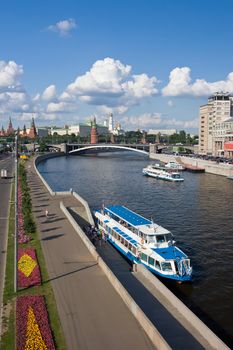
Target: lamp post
x,y
16,216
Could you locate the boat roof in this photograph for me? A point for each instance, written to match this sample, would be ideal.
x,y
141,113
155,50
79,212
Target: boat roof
x,y
169,253
146,226
128,215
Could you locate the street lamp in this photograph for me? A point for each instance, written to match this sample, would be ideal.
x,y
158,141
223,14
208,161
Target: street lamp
x,y
16,216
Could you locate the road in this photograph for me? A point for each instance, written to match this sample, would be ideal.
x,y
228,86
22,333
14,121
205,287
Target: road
x,y
6,162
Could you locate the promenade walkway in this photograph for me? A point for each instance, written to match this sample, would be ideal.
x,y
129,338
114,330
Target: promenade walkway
x,y
92,314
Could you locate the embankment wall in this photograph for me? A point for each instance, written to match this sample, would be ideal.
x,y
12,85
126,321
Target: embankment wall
x,y
211,167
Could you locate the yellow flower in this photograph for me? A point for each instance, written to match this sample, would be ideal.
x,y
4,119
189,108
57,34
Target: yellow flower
x,y
26,264
34,338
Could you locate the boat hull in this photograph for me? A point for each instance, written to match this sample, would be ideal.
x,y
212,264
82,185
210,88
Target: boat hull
x,y
156,176
133,259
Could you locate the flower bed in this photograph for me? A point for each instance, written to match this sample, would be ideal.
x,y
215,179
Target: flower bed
x,y
32,323
22,237
28,268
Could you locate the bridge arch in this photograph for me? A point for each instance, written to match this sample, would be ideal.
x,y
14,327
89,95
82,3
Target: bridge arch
x,y
96,147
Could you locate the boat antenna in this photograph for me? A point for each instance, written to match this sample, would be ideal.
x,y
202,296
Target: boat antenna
x,y
103,207
153,225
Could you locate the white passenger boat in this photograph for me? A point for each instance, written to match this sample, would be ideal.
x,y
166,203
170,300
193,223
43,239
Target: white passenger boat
x,y
144,242
152,171
174,166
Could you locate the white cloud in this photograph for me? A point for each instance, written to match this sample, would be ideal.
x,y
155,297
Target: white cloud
x,y
143,121
59,107
36,97
49,93
104,77
14,102
9,73
140,86
180,84
157,120
117,110
63,27
109,83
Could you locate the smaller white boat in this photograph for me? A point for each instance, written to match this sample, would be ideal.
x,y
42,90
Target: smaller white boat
x,y
161,174
174,166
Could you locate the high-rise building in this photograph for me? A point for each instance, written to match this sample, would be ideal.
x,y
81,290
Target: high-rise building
x,y
218,108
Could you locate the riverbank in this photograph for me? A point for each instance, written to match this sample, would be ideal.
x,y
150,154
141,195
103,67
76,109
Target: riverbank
x,y
211,167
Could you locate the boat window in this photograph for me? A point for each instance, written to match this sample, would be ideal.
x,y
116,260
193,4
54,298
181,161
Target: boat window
x,y
134,250
157,264
144,257
166,266
176,176
160,238
130,246
151,261
151,239
122,240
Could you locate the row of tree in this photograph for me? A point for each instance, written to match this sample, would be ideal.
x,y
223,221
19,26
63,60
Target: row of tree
x,y
129,137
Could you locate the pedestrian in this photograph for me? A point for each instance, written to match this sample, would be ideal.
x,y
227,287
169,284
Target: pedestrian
x,y
46,213
105,237
99,235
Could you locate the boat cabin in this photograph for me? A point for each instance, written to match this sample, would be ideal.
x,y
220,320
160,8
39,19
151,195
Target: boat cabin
x,y
141,239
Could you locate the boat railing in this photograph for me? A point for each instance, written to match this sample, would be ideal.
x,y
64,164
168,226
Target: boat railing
x,y
183,267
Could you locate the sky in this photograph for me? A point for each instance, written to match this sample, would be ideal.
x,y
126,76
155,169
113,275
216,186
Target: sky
x,y
151,63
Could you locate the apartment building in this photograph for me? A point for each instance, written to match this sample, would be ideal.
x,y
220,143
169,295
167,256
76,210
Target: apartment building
x,y
217,110
223,138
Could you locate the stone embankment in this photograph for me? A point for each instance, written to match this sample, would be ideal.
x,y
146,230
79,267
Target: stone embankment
x,y
211,167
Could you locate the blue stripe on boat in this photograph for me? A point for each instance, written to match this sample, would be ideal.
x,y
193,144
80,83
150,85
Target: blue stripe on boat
x,y
128,215
170,252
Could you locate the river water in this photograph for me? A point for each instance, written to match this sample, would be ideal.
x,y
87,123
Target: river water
x,y
199,212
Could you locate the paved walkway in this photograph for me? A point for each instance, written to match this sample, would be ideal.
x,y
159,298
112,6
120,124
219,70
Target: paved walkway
x,y
92,314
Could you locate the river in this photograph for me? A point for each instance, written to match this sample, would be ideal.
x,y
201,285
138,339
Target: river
x,y
198,212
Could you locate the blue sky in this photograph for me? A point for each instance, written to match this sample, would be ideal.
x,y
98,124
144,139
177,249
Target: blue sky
x,y
152,62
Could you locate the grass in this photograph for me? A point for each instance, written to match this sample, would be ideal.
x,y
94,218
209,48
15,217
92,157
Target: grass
x,y
9,279
7,340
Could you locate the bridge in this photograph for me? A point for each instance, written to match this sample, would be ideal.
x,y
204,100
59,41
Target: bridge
x,y
80,148
146,149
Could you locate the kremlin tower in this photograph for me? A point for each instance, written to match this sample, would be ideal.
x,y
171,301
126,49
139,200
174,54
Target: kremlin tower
x,y
24,134
94,133
2,132
32,132
10,130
